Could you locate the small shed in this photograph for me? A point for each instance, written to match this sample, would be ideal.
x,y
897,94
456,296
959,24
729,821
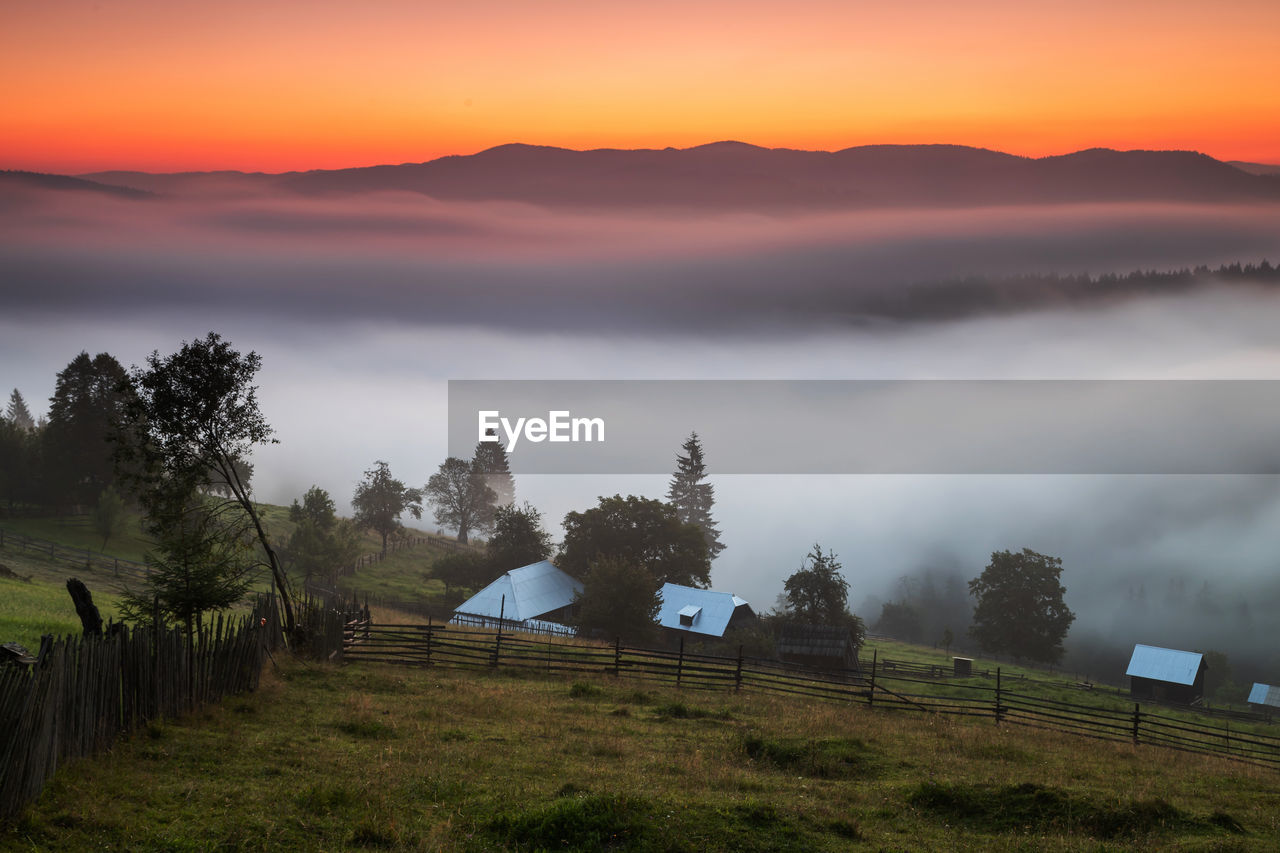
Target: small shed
x,y
822,646
1265,695
532,595
1166,675
689,610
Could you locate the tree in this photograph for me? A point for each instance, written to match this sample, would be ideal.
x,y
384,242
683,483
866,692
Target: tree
x,y
518,538
321,543
89,399
636,531
109,514
381,499
817,592
490,460
462,570
203,562
1019,608
900,621
18,413
619,598
189,418
692,497
461,499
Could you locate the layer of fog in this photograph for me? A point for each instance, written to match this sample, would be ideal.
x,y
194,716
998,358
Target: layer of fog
x,y
360,325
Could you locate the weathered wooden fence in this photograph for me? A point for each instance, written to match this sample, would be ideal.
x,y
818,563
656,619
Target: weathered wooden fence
x,y
123,571
459,647
83,693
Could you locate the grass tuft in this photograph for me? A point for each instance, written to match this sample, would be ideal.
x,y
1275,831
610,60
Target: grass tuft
x,y
1029,807
586,823
821,758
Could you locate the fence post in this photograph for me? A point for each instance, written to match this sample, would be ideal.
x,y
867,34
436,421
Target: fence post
x,y
737,676
680,663
430,633
1137,715
999,709
617,655
871,696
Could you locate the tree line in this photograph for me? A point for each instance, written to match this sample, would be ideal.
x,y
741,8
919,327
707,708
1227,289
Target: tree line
x,y
175,439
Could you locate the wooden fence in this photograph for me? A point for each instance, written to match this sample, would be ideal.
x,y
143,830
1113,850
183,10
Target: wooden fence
x,y
459,647
83,693
123,571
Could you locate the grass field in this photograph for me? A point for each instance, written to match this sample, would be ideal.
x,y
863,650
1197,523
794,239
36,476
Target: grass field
x,y
372,757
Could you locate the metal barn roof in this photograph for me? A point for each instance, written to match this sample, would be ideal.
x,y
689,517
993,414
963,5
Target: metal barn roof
x,y
1168,665
705,610
530,591
1264,694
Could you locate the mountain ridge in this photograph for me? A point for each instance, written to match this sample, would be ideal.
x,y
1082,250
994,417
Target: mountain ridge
x,y
735,175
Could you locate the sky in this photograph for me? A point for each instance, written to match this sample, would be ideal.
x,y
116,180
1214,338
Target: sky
x,y
365,306
162,86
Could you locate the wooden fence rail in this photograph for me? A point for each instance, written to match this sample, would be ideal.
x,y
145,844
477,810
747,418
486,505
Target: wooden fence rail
x,y
123,571
459,647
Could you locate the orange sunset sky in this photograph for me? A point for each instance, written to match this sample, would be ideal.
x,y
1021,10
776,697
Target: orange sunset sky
x,y
166,85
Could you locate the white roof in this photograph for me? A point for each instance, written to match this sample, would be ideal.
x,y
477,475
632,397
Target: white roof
x,y
1264,694
711,610
530,591
1164,664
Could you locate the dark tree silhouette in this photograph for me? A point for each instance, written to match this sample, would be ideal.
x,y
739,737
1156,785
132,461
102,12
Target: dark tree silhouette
x,y
619,599
490,461
518,538
817,592
89,400
461,499
189,418
381,499
1020,611
637,531
692,497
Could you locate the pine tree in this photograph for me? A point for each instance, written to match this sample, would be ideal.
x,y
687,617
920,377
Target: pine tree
x,y
490,460
18,413
693,498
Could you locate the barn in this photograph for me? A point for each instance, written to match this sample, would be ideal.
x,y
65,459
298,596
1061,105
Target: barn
x,y
704,612
1166,675
822,646
1265,697
538,597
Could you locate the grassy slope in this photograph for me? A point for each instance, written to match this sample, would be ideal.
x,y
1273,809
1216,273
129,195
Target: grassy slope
x,y
367,757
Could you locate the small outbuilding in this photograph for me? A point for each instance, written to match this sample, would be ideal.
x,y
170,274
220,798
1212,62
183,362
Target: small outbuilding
x,y
821,646
705,612
1265,696
1166,675
538,596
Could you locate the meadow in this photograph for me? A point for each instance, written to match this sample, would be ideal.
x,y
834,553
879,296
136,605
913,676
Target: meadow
x,y
373,757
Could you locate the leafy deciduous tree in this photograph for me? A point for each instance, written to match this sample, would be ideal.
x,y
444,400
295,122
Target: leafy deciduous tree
x,y
191,417
460,497
817,592
692,497
619,599
636,531
381,499
1020,609
518,538
321,543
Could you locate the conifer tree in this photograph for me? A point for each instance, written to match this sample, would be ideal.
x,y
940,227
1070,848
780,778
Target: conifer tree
x,y
490,461
18,413
692,497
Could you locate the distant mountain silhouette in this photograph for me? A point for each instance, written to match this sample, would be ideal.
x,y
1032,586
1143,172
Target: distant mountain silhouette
x,y
1256,168
40,180
733,175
